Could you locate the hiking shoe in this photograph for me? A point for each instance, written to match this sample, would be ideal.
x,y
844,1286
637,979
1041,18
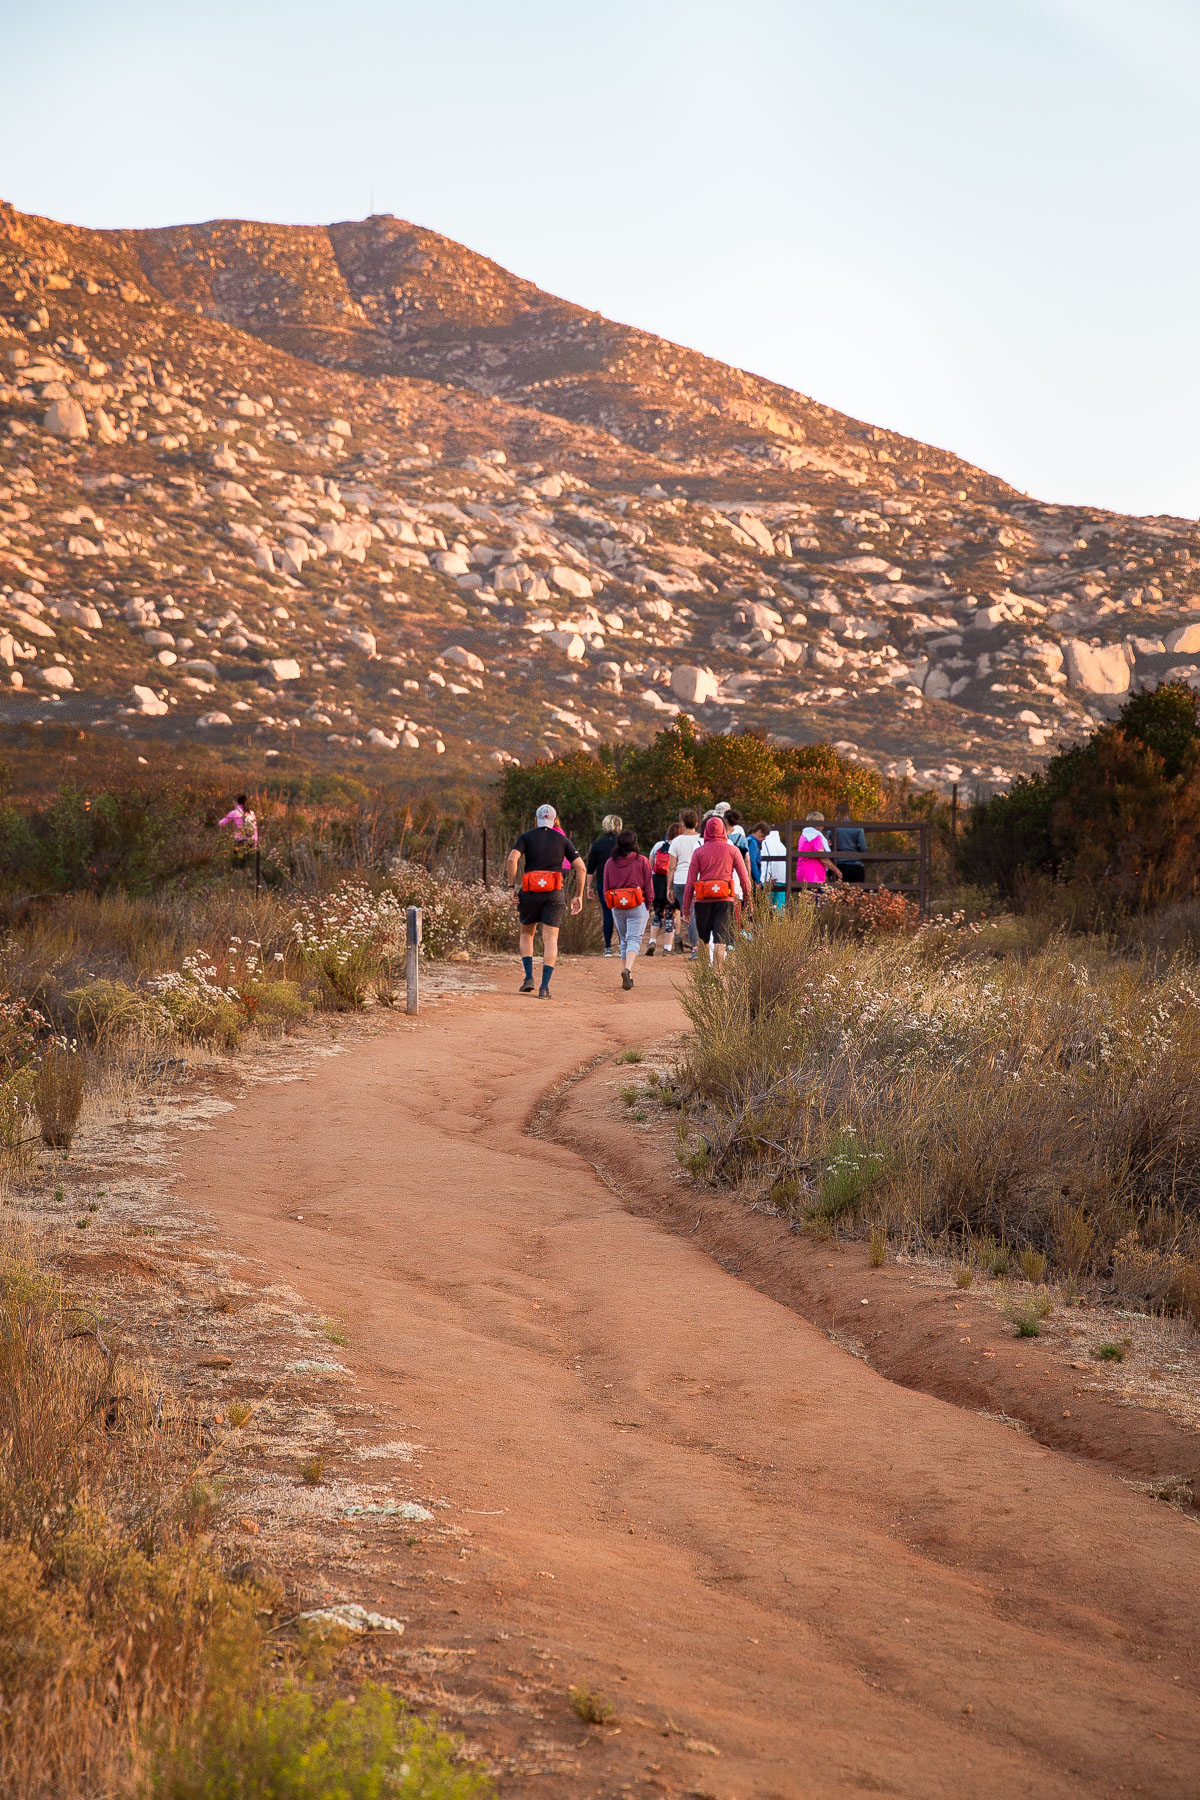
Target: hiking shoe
x,y
526,987
650,949
608,950
545,994
626,979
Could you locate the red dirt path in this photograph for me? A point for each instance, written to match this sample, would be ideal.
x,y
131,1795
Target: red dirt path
x,y
710,1512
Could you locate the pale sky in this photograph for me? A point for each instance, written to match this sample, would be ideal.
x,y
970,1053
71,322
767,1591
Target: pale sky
x,y
974,221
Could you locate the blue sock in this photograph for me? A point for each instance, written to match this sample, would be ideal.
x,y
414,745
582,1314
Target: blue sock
x,y
527,965
547,972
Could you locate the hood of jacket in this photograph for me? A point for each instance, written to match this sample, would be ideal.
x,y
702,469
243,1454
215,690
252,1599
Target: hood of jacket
x,y
714,831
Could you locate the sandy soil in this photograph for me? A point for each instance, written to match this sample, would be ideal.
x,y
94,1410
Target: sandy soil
x,y
791,1575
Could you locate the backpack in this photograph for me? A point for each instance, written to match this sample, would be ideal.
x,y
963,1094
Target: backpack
x,y
662,858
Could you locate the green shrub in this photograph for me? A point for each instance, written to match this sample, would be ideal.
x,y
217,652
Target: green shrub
x,y
591,1707
647,784
1027,1316
291,1747
275,1004
106,1007
848,1173
1117,816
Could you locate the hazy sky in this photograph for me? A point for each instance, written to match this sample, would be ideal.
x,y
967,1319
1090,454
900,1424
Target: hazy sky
x,y
971,220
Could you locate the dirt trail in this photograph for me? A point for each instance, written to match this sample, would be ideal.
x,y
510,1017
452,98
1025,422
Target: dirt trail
x,y
679,1489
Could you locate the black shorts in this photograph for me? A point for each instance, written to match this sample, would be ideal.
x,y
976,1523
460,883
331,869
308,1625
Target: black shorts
x,y
542,909
714,918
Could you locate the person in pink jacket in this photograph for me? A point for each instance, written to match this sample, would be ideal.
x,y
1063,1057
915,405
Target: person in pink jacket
x,y
712,873
244,823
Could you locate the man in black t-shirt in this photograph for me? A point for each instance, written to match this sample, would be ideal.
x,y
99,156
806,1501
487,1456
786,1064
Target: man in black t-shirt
x,y
541,898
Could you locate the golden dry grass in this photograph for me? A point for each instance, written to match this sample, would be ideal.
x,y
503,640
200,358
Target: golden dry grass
x,y
1016,1098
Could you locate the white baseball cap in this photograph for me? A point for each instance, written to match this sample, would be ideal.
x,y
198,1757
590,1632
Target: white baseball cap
x,y
546,815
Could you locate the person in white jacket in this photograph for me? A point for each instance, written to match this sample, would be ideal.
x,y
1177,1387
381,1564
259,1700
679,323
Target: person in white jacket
x,y
773,867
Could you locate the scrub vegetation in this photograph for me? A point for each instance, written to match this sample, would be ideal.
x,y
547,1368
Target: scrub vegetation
x,y
134,1666
1021,1100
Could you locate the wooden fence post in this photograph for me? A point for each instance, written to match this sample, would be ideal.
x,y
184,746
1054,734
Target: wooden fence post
x,y
954,835
412,959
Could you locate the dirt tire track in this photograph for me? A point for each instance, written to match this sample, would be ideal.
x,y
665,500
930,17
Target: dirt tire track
x,y
910,1334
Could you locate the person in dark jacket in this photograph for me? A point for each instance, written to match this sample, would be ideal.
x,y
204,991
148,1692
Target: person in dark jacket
x,y
848,837
602,848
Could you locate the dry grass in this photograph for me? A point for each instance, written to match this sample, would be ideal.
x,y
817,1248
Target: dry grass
x,y
111,1612
99,992
58,1096
1018,1104
131,1666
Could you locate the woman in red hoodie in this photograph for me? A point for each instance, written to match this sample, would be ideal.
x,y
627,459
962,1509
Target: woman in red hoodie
x,y
710,888
628,888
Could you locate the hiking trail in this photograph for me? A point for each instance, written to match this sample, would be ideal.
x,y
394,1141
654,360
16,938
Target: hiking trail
x,y
791,1576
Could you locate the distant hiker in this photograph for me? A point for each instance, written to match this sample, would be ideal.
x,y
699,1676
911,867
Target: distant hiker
x,y
629,895
602,848
709,893
541,899
753,851
737,837
244,823
848,837
683,847
773,864
665,903
814,864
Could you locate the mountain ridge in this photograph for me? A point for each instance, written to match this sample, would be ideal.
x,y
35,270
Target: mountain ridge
x,y
411,453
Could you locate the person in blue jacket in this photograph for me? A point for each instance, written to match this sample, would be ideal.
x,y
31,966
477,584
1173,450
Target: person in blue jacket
x,y
754,844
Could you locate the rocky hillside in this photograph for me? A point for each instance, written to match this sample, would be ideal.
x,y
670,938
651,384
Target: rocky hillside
x,y
357,486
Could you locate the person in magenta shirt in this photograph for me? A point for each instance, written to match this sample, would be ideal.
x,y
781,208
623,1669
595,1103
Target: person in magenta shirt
x,y
245,825
814,864
628,871
716,860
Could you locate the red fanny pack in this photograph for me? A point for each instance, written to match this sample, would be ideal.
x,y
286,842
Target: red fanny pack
x,y
714,890
542,881
623,899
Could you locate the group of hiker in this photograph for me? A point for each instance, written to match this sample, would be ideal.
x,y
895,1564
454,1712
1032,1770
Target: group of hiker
x,y
703,872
